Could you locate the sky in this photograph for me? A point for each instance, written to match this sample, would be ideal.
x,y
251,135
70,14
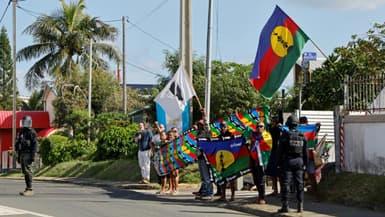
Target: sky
x,y
153,26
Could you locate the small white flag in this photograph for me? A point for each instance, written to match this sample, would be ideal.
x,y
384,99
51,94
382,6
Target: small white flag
x,y
176,93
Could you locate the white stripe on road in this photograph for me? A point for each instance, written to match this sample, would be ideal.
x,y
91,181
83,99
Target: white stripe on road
x,y
5,210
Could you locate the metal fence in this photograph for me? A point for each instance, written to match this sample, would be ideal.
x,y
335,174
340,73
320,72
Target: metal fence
x,y
365,94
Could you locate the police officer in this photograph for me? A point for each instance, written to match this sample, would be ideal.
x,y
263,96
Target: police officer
x,y
293,158
26,148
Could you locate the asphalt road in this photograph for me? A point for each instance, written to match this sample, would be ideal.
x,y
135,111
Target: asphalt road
x,y
53,199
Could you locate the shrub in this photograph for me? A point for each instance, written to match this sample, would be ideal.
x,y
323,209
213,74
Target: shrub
x,y
117,142
55,149
81,149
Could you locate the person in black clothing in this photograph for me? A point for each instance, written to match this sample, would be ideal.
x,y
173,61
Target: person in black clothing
x,y
206,189
272,165
26,148
256,162
293,158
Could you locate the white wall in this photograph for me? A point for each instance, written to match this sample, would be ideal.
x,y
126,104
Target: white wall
x,y
364,146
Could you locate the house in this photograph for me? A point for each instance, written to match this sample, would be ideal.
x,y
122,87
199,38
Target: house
x,y
40,122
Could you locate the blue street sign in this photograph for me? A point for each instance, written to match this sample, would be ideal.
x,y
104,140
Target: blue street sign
x,y
307,56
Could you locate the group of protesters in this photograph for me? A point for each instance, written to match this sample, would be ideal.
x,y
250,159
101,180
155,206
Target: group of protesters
x,y
148,144
287,162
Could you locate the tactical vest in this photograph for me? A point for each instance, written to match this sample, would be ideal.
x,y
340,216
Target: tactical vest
x,y
25,141
295,143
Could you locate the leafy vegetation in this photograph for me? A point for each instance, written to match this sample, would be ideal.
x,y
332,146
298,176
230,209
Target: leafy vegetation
x,y
56,149
62,43
6,69
362,56
117,142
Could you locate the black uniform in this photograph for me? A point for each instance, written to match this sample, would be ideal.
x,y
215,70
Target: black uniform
x,y
26,148
293,158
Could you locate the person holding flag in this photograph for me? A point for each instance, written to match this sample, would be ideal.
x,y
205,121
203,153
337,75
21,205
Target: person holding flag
x,y
225,133
256,161
206,189
144,137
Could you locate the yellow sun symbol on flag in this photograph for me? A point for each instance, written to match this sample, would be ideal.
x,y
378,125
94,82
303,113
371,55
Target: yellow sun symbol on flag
x,y
224,159
281,40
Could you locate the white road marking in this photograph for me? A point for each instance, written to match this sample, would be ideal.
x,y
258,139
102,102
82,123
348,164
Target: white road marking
x,y
5,210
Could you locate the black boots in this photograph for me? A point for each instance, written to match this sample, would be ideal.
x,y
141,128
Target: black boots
x,y
284,208
299,207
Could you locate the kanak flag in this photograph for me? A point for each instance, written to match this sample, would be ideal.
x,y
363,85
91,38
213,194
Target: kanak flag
x,y
280,45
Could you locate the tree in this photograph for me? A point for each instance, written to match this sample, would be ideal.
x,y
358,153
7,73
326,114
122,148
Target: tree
x,y
361,56
62,43
34,102
6,71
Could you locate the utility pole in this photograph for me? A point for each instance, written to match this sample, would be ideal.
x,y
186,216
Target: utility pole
x,y
124,64
185,50
14,2
185,54
208,62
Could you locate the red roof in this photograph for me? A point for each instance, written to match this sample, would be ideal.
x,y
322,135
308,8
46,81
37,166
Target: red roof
x,y
46,132
40,119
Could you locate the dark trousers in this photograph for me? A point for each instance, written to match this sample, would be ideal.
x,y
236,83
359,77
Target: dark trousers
x,y
206,188
292,170
26,162
259,180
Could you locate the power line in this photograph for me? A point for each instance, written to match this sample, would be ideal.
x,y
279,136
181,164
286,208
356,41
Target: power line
x,y
152,12
112,21
30,12
146,16
5,11
143,69
151,36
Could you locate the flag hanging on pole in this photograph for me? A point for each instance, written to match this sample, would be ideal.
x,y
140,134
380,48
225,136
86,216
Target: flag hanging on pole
x,y
175,95
280,45
182,122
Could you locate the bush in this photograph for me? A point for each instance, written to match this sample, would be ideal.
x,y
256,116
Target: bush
x,y
81,149
55,149
117,142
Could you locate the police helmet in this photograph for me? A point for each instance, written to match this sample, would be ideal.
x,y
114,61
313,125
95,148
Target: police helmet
x,y
26,121
292,121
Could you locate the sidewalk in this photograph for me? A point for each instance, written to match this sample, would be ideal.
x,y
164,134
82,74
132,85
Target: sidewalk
x,y
245,201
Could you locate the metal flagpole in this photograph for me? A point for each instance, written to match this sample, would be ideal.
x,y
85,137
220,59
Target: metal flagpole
x,y
90,93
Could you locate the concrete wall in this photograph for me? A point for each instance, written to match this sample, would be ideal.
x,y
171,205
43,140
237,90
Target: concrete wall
x,y
364,144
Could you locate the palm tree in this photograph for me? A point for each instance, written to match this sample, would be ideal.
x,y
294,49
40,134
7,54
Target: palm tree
x,y
62,43
34,102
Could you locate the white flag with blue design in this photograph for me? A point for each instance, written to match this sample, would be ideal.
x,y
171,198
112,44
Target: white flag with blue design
x,y
175,95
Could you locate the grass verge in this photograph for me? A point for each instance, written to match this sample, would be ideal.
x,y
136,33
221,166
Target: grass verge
x,y
360,190
113,170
